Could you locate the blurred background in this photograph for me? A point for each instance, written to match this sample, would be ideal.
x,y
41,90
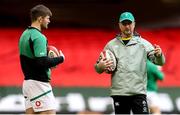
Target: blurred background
x,y
81,28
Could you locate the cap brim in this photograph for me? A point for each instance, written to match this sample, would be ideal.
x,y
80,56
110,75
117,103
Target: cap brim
x,y
127,19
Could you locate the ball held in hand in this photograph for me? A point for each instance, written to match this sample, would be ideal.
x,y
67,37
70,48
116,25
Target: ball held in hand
x,y
52,51
110,56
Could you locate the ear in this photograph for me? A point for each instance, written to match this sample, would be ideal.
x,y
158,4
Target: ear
x,y
119,24
39,19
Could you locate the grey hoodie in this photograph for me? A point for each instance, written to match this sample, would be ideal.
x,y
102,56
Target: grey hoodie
x,y
130,76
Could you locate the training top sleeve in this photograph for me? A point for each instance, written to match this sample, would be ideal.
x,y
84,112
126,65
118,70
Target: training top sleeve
x,y
40,52
40,46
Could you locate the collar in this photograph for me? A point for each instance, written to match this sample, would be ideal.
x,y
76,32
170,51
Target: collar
x,y
30,27
133,40
125,38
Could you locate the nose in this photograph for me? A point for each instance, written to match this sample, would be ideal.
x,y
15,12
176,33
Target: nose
x,y
127,25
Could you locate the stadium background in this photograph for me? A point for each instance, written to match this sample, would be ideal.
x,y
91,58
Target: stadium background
x,y
81,28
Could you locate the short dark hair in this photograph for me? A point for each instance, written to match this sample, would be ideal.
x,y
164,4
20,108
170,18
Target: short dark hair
x,y
39,10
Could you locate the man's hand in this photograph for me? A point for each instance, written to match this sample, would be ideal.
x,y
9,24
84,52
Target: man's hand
x,y
61,54
104,64
157,50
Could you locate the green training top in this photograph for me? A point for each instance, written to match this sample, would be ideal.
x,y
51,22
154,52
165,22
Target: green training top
x,y
32,45
153,74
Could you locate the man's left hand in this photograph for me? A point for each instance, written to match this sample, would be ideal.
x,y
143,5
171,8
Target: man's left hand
x,y
157,50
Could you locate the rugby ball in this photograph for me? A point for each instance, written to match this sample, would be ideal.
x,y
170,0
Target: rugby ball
x,y
110,56
52,51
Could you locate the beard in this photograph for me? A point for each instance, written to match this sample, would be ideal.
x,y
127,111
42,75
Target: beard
x,y
127,32
44,26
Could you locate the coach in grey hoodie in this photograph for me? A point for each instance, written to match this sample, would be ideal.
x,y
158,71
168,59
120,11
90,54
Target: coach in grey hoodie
x,y
129,79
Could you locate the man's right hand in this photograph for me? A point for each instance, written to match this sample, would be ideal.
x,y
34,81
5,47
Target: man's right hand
x,y
104,64
61,54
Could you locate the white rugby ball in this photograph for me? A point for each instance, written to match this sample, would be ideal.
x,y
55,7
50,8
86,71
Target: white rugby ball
x,y
52,52
110,56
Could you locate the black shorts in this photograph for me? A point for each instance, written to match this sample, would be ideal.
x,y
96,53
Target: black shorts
x,y
136,104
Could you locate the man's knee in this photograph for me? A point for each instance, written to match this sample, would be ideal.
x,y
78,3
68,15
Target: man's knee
x,y
31,111
52,112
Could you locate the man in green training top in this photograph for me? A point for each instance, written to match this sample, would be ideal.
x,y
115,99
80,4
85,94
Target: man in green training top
x,y
153,75
36,64
129,80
